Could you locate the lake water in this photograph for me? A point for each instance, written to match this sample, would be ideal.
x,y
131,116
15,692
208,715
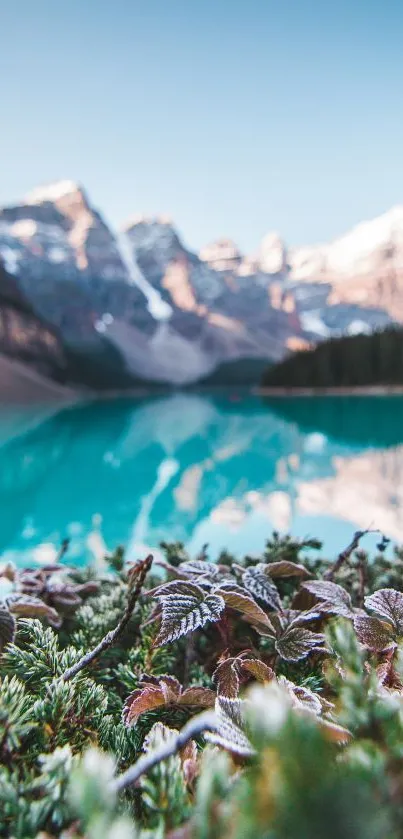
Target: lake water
x,y
199,468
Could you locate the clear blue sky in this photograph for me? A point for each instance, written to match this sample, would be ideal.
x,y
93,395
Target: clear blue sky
x,y
233,116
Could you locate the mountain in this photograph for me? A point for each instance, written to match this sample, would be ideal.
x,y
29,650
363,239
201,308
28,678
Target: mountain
x,y
137,306
363,267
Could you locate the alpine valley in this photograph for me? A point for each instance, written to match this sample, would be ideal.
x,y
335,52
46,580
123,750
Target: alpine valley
x,y
84,308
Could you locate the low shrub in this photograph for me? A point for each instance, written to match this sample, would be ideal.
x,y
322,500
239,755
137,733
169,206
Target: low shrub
x,y
258,698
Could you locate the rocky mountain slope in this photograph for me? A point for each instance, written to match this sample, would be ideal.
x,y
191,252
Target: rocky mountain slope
x,y
139,306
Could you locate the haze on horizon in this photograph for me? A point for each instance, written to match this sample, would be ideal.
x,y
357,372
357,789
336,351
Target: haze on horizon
x,y
232,117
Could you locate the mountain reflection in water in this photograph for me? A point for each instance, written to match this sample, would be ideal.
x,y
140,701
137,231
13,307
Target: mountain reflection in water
x,y
199,468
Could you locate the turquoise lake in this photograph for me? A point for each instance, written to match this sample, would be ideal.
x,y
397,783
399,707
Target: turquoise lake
x,y
198,468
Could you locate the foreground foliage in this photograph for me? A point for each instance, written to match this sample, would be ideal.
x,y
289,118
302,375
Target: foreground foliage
x,y
199,700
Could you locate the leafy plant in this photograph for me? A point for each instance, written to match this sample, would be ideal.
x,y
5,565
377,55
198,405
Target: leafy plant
x,y
257,698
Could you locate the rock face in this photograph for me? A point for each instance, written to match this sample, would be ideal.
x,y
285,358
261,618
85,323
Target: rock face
x,y
139,306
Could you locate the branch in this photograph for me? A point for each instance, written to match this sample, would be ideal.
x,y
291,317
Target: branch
x,y
345,555
136,578
205,721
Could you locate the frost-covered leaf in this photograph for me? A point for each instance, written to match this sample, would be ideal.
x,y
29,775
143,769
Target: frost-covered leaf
x,y
7,627
251,612
158,735
333,598
375,634
226,678
32,607
285,568
197,697
200,567
297,618
230,734
185,607
164,691
257,580
297,643
302,697
229,672
388,603
258,669
171,687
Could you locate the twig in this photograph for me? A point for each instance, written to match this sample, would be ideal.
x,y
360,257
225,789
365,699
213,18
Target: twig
x,y
345,555
205,721
63,550
362,576
136,579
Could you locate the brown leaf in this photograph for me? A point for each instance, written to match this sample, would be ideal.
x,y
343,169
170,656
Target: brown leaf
x,y
190,763
7,627
250,610
284,568
32,607
197,697
302,697
140,701
388,603
333,598
375,634
163,691
170,686
258,669
298,643
226,678
387,675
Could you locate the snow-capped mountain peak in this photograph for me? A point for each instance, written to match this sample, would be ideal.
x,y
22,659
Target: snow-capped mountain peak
x,y
53,192
358,252
273,254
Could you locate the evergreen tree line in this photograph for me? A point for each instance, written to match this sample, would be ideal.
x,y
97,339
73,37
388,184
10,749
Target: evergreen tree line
x,y
349,361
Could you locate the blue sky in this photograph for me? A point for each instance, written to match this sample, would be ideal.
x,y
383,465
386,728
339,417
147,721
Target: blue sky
x,y
234,117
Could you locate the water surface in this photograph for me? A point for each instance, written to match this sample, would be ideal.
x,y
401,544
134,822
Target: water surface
x,y
199,469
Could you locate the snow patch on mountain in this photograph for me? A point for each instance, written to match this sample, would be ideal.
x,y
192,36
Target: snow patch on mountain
x,y
52,192
361,250
273,254
157,307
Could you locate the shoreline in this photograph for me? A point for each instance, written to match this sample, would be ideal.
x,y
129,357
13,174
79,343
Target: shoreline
x,y
297,392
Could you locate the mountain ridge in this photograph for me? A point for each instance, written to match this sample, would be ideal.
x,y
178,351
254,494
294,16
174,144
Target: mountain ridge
x,y
177,316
